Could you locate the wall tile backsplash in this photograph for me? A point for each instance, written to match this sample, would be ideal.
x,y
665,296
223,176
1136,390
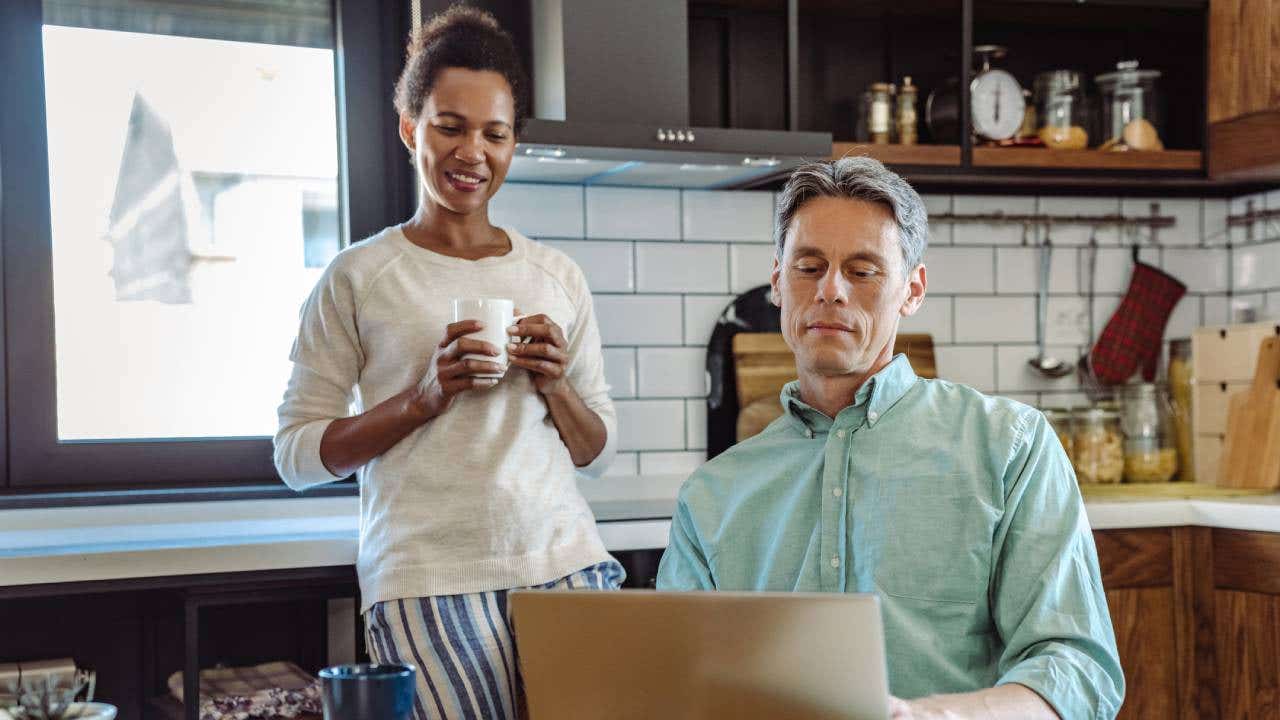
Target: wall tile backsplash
x,y
663,264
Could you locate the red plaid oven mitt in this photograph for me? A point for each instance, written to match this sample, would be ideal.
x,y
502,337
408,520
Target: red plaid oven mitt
x,y
1133,335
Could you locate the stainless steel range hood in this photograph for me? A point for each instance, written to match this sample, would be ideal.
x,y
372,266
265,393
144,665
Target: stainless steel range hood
x,y
611,105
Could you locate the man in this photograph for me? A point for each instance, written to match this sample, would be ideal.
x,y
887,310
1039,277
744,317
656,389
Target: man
x,y
960,510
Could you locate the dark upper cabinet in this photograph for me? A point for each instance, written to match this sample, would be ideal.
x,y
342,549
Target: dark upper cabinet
x,y
738,64
844,47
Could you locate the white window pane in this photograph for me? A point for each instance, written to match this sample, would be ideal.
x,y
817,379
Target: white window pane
x,y
193,187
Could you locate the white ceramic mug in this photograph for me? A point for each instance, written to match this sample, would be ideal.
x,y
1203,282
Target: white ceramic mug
x,y
497,314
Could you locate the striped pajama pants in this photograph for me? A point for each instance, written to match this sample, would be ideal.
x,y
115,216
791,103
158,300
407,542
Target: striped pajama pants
x,y
463,646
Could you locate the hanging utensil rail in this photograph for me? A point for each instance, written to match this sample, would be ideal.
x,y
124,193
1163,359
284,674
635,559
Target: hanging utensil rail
x,y
1154,221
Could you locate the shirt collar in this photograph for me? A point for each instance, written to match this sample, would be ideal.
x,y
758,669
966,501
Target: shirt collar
x,y
876,396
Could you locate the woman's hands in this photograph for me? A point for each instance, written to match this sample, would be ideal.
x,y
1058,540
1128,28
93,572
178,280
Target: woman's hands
x,y
450,373
545,355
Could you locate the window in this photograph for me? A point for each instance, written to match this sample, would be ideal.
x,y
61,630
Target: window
x,y
191,175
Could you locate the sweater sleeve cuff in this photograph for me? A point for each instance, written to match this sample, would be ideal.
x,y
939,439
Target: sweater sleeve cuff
x,y
298,458
596,467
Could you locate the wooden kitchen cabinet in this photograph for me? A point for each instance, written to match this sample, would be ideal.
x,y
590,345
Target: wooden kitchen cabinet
x,y
1143,619
1246,612
1138,575
1197,620
1244,90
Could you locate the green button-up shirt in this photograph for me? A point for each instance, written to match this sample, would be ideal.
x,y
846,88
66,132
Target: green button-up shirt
x,y
960,510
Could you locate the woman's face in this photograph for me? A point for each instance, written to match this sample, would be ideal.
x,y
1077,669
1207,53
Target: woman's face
x,y
463,141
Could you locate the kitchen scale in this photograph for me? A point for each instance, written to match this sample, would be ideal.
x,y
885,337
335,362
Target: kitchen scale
x,y
996,103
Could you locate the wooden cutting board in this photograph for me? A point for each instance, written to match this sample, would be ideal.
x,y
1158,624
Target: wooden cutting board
x,y
763,364
1251,451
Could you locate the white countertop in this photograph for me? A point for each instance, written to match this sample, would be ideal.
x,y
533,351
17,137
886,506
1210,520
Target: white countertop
x,y
55,545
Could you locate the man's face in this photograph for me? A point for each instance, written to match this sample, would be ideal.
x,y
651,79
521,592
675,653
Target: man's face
x,y
842,286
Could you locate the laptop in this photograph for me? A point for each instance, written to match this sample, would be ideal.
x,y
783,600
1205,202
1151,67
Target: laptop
x,y
676,655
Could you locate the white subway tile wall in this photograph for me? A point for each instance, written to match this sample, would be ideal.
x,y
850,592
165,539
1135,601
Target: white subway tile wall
x,y
639,319
633,214
1203,270
670,463
960,270
1018,270
673,372
620,371
624,464
606,269
995,319
1075,234
650,425
695,414
663,264
972,365
742,216
1188,228
681,267
700,315
933,317
1256,267
541,211
970,233
749,266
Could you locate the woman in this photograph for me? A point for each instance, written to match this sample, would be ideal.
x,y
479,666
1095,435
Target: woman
x,y
466,484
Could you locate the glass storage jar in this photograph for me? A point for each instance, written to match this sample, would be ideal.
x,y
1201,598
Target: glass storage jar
x,y
1131,115
1098,446
1149,454
1062,423
1062,110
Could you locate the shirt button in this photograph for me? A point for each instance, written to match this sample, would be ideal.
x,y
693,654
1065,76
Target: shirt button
x,y
837,492
835,562
840,434
873,415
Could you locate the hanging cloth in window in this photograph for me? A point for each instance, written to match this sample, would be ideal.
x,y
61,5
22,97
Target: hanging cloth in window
x,y
148,224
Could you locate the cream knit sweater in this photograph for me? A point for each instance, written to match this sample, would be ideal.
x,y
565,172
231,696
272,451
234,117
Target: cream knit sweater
x,y
482,497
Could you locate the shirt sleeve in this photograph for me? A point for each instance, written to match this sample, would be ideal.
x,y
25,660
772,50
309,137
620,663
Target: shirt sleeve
x,y
684,565
586,374
1047,595
327,358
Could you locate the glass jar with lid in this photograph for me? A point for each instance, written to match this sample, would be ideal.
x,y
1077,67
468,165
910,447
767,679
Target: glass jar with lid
x,y
1131,114
1149,454
1098,446
1062,109
1063,424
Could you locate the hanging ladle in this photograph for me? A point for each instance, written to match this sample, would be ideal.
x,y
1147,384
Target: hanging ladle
x,y
1047,366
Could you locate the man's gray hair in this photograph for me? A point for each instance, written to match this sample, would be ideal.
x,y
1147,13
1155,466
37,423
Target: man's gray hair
x,y
859,178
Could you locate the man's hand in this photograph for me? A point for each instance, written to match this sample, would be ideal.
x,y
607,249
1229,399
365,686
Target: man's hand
x,y
1002,702
918,710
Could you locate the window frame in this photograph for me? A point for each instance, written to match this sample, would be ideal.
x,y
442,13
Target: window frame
x,y
375,189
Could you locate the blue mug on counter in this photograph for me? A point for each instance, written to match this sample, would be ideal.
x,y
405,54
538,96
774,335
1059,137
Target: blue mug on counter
x,y
368,692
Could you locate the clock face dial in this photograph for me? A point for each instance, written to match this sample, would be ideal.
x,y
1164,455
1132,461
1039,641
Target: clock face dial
x,y
997,105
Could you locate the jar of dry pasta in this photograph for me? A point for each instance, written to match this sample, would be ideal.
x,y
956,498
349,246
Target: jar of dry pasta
x,y
1180,405
1062,423
1098,446
1149,453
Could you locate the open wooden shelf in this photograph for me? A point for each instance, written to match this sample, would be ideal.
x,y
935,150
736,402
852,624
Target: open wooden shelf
x,y
944,155
1045,158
